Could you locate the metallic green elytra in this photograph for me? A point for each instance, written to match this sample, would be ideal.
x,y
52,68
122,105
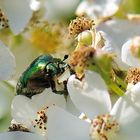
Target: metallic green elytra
x,y
41,74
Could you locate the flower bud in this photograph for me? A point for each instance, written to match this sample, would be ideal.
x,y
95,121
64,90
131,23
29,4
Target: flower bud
x,y
85,38
135,47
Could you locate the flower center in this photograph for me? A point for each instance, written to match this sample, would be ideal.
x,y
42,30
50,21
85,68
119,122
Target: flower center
x,y
79,59
3,20
103,127
40,122
18,127
79,25
133,75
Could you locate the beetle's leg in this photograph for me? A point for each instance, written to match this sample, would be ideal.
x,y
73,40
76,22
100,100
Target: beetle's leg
x,y
65,90
53,87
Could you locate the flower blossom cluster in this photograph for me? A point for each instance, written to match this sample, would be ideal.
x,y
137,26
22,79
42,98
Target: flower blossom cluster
x,y
102,80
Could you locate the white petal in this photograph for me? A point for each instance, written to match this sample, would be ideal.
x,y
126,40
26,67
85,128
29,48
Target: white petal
x,y
70,107
48,98
127,56
90,96
119,32
7,62
111,47
95,11
35,5
6,95
23,110
127,112
3,103
64,126
103,41
121,64
105,2
135,94
116,1
57,10
98,8
82,7
85,7
18,13
111,8
20,136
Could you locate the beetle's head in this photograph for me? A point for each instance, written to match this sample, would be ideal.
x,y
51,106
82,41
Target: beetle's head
x,y
57,66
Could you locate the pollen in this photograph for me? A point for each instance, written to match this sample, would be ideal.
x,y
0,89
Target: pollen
x,y
79,59
3,20
40,122
103,127
18,127
79,25
133,75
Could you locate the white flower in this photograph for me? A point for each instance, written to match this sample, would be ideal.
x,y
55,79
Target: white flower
x,y
18,13
25,111
56,10
119,34
91,97
7,62
89,93
35,5
32,113
97,39
7,69
20,136
98,8
6,96
130,52
103,41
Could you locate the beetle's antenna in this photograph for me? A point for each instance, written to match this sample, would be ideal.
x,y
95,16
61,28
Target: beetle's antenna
x,y
65,57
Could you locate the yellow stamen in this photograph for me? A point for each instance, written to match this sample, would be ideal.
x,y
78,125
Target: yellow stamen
x,y
79,25
133,75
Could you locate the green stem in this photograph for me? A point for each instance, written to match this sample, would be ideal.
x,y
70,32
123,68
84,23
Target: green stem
x,y
121,82
118,86
116,89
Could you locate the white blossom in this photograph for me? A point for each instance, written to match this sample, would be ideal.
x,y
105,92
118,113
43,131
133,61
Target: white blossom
x,y
119,33
7,62
130,52
32,113
7,70
91,97
18,13
56,10
98,8
20,136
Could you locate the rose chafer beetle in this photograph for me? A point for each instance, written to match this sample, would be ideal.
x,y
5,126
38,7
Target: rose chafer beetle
x,y
42,73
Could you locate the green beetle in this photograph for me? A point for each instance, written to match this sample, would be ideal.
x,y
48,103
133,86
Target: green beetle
x,y
42,73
